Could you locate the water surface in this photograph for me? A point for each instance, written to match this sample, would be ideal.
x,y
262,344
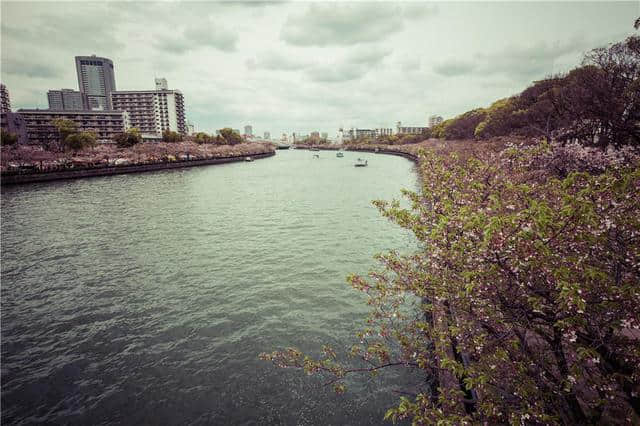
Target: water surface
x,y
145,299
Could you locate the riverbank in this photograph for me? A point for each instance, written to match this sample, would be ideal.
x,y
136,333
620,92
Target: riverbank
x,y
463,148
30,164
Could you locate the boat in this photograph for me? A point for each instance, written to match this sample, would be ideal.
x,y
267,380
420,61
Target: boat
x,y
361,163
315,149
316,156
248,159
339,155
283,147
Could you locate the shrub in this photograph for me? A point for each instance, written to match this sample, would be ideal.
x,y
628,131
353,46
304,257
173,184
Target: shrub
x,y
79,141
128,139
171,136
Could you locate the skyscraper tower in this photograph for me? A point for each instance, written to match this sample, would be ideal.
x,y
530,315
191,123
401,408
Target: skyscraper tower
x,y
96,81
5,103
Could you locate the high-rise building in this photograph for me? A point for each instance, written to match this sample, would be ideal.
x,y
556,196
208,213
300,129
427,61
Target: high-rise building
x,y
105,124
324,135
152,111
96,81
65,99
267,135
5,102
161,84
434,120
248,130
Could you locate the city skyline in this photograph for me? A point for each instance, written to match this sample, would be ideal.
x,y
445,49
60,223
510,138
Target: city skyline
x,y
292,69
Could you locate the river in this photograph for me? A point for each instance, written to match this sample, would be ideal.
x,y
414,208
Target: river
x,y
146,299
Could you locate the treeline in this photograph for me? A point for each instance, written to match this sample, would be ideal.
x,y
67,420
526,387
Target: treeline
x,y
595,104
397,139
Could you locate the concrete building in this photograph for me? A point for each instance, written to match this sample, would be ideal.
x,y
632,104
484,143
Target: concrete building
x,y
14,123
105,124
412,130
434,120
267,136
384,132
65,99
365,133
161,84
152,111
248,130
315,135
96,81
10,121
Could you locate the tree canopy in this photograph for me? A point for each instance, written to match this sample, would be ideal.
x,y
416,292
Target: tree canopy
x,y
129,138
230,136
596,104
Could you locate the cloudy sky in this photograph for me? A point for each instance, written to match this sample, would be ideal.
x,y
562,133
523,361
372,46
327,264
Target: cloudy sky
x,y
303,66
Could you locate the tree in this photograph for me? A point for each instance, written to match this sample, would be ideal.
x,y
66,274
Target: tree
x,y
7,138
79,141
203,138
129,138
464,125
596,104
600,101
171,136
527,291
65,128
230,136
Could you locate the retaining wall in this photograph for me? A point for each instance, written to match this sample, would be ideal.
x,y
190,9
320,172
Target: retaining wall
x,y
13,179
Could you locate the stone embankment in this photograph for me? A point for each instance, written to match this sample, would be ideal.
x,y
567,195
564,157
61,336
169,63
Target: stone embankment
x,y
12,178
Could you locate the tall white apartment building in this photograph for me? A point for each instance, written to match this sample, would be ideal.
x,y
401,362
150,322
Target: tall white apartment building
x,y
152,111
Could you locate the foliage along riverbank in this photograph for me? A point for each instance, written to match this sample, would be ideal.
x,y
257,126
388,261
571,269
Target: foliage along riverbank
x,y
530,286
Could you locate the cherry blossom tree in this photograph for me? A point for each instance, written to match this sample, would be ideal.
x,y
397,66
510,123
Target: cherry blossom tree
x,y
523,305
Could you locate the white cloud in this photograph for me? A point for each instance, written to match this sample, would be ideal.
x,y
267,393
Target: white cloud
x,y
306,66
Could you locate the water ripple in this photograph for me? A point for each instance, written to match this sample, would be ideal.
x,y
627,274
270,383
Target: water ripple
x,y
146,298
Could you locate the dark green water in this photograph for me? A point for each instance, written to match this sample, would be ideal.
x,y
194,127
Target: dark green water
x,y
145,299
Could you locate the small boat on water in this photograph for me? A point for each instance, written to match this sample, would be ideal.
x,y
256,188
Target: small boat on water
x,y
361,163
316,156
339,155
315,149
248,159
283,147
